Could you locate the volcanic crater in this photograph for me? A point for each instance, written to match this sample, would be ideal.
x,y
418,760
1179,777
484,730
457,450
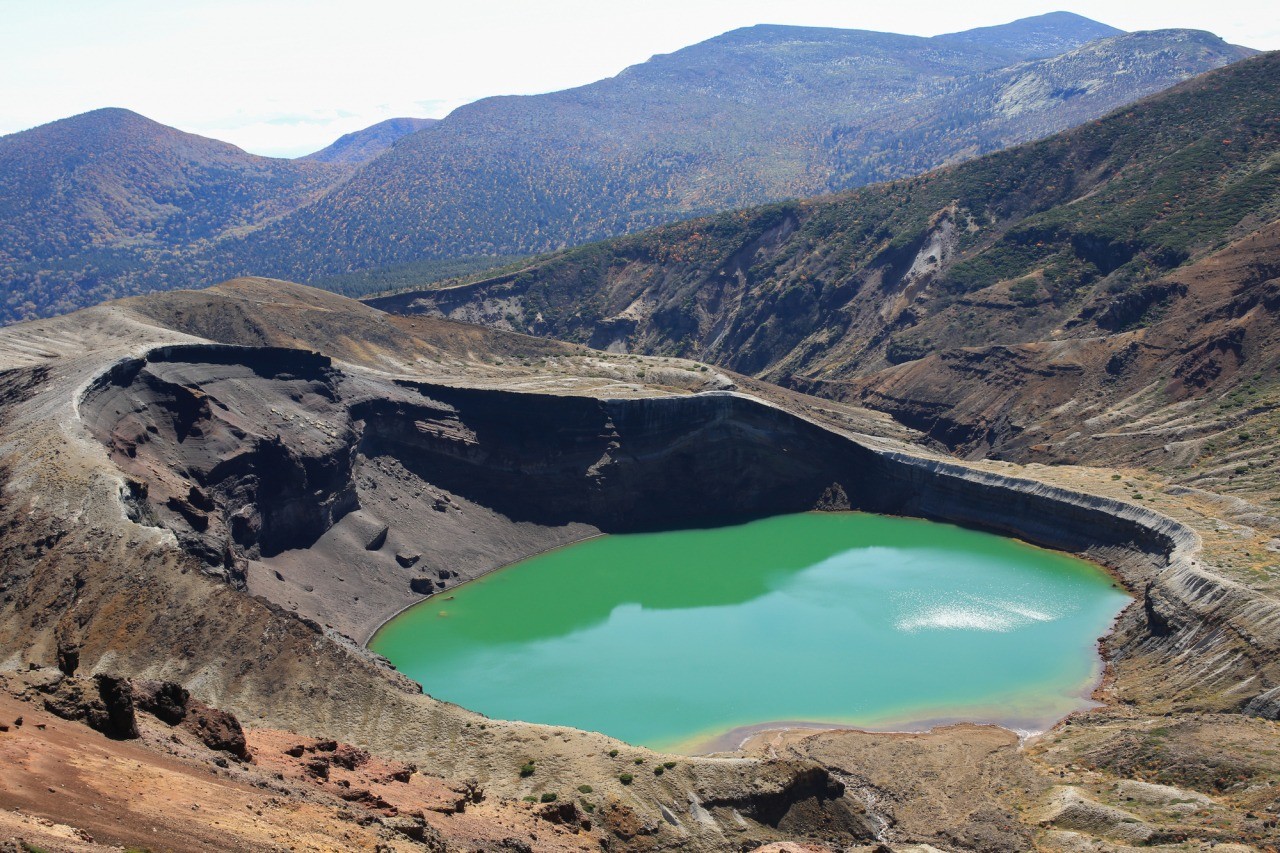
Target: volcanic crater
x,y
237,506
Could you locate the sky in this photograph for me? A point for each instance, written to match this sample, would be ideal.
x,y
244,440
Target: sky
x,y
287,77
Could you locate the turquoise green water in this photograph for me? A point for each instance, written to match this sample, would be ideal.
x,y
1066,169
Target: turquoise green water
x,y
668,639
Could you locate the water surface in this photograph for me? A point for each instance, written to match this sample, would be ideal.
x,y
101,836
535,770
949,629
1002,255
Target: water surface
x,y
668,639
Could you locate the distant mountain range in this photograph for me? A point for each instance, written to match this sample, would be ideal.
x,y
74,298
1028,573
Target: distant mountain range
x,y
109,204
1108,294
90,201
363,145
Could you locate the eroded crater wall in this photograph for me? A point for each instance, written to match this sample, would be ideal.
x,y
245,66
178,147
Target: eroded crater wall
x,y
419,487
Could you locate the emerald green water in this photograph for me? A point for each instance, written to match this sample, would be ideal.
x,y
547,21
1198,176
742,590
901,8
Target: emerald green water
x,y
668,639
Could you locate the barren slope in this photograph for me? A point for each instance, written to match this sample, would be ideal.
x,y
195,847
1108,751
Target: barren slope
x,y
179,469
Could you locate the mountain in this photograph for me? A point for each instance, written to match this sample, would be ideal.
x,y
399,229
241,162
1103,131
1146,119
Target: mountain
x,y
363,145
758,114
761,113
1109,293
1037,37
85,202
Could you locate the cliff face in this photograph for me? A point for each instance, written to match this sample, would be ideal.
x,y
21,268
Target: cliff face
x,y
344,470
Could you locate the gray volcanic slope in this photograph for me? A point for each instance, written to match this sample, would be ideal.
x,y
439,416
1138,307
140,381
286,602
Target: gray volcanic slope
x,y
186,479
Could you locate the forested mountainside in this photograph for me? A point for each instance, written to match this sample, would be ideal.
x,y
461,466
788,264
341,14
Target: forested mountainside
x,y
88,202
363,145
754,115
1038,302
757,114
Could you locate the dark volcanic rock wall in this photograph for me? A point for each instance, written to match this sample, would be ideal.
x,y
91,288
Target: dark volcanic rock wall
x,y
239,443
617,465
383,491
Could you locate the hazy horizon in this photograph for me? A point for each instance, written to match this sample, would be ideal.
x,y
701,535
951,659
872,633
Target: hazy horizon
x,y
287,77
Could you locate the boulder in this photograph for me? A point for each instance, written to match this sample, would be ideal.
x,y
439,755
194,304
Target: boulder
x,y
562,813
117,697
379,539
164,700
173,704
105,704
349,757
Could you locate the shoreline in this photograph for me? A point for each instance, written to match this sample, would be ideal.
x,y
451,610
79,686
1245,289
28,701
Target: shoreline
x,y
733,740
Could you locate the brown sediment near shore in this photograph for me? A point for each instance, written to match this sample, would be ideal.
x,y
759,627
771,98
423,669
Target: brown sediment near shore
x,y
737,738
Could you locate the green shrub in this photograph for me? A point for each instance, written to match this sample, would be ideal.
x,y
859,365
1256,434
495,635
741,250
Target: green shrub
x,y
530,799
527,770
613,753
639,761
549,798
658,771
625,778
586,789
1025,292
904,349
670,765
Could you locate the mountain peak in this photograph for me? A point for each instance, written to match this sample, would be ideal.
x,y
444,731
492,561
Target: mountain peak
x,y
112,114
1035,37
102,118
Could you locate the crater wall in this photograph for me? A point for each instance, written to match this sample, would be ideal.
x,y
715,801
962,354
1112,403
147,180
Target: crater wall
x,y
344,497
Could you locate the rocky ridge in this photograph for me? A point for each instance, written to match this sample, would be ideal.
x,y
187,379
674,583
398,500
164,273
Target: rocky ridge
x,y
111,418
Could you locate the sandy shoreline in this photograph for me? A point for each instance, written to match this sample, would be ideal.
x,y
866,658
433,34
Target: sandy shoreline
x,y
736,738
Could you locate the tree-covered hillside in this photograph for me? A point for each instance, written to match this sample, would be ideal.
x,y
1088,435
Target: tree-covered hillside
x,y
1107,253
111,204
88,203
755,115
